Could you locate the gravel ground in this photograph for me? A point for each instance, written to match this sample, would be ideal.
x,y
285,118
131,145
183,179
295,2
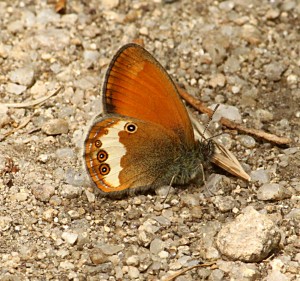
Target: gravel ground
x,y
53,226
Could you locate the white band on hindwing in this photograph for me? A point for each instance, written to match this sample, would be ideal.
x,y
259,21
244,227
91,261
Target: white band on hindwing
x,y
115,150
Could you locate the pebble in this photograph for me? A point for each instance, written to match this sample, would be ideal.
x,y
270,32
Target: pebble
x,y
109,4
97,256
274,71
224,203
156,246
49,214
20,196
294,214
276,275
90,58
70,192
23,76
251,34
232,65
66,265
261,175
228,111
64,153
109,249
272,191
69,237
133,260
264,115
90,196
247,141
55,127
51,39
262,237
15,88
5,222
133,272
218,80
43,192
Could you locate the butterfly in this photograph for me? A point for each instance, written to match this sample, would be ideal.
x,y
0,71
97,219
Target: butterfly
x,y
144,138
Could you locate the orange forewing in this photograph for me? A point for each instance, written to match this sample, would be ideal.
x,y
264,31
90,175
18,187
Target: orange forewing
x,y
136,85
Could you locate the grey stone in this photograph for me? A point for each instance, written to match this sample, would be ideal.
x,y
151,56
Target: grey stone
x,y
246,241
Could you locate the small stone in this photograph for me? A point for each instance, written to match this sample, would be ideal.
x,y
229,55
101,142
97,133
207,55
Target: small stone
x,y
294,214
70,191
39,89
162,220
133,272
274,70
227,111
49,214
90,196
264,115
218,80
235,89
43,192
69,237
20,196
163,254
97,256
90,58
133,260
109,4
5,223
272,14
247,141
15,88
227,5
292,79
23,76
224,203
262,176
64,153
156,246
262,237
144,30
272,191
111,249
232,65
276,275
55,127
251,34
66,265
43,158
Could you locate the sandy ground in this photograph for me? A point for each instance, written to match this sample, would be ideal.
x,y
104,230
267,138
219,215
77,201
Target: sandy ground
x,y
53,226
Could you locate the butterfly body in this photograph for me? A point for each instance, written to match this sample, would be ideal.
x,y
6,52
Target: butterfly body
x,y
144,138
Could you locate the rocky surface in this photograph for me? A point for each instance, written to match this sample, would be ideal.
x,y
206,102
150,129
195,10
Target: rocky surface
x,y
53,226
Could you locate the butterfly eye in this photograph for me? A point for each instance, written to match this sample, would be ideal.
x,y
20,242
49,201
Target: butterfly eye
x,y
104,169
102,155
98,143
130,127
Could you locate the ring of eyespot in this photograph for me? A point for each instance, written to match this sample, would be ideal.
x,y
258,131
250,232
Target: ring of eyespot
x,y
130,127
102,155
104,169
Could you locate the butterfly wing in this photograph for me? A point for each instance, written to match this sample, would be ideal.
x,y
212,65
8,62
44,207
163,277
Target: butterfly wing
x,y
116,149
136,85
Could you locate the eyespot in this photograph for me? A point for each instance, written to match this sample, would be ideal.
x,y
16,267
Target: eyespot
x,y
104,169
130,127
98,143
102,155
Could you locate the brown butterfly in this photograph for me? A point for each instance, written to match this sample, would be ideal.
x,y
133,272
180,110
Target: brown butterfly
x,y
145,138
